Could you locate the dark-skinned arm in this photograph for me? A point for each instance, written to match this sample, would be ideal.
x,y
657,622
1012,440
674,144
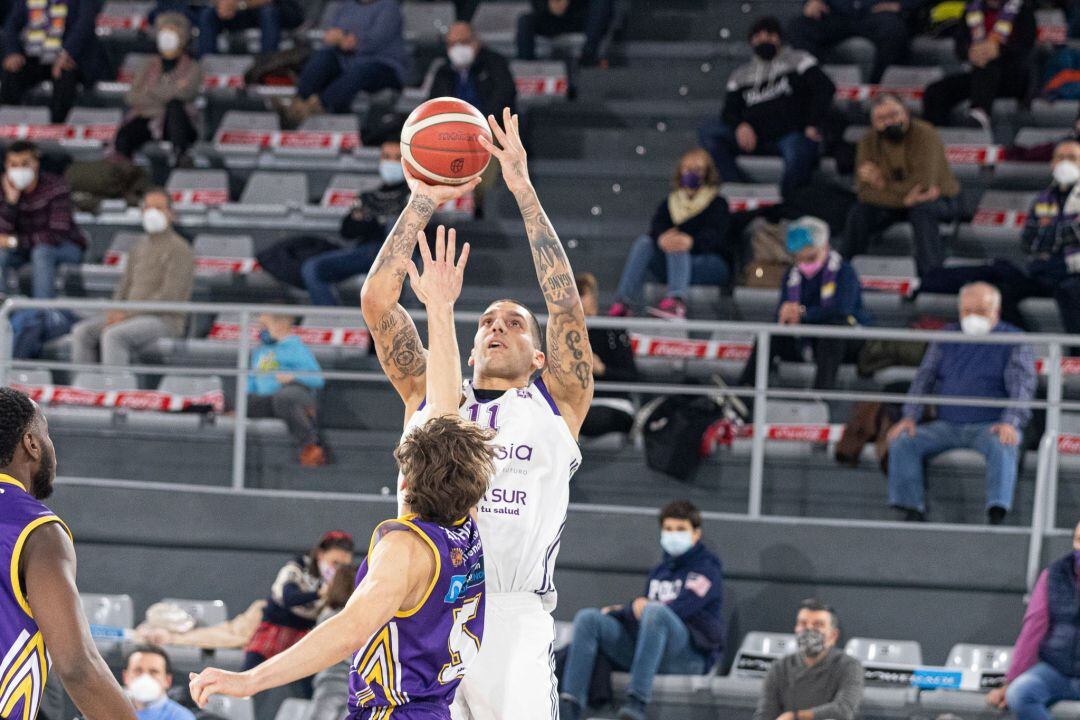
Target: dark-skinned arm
x,y
48,566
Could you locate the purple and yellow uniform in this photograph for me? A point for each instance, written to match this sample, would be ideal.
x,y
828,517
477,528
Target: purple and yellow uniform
x,y
24,661
411,667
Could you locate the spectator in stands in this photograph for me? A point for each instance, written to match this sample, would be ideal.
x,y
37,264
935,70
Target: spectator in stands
x,y
474,73
1044,669
775,104
820,289
37,221
365,51
551,18
824,24
51,40
161,101
613,361
901,174
298,596
159,268
270,16
819,680
965,370
284,385
686,244
997,39
147,677
675,628
331,686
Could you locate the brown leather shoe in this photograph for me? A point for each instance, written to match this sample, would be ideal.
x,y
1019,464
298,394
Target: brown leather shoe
x,y
312,456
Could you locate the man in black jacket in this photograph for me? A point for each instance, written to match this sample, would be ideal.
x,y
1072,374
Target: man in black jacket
x,y
474,73
775,104
558,17
825,24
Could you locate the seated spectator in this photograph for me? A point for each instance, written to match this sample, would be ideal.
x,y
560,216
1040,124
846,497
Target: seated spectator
x,y
474,73
1043,670
820,289
551,18
775,105
331,686
819,681
276,390
365,51
161,101
675,628
147,677
965,370
613,361
686,243
51,40
159,268
997,39
901,174
824,24
270,16
233,633
37,221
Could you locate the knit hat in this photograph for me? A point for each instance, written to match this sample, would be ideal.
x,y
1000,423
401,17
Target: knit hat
x,y
806,232
768,24
177,21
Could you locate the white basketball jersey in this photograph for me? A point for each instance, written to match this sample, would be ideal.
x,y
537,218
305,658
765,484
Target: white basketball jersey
x,y
524,511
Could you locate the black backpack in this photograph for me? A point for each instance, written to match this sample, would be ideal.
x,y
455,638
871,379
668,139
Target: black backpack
x,y
673,432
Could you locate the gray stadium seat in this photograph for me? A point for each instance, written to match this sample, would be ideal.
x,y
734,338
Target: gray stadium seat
x,y
123,18
244,123
106,381
758,650
1029,136
343,190
427,21
109,616
293,709
497,22
225,73
796,412
190,385
539,78
19,115
750,196
96,121
271,194
904,80
871,651
30,377
205,612
194,190
231,708
224,246
102,277
757,304
980,658
848,80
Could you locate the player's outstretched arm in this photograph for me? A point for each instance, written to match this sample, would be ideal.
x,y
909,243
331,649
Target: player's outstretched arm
x,y
48,564
568,370
399,567
438,288
397,342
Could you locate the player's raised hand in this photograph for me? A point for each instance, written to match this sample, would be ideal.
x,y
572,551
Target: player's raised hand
x,y
212,681
442,278
438,194
510,153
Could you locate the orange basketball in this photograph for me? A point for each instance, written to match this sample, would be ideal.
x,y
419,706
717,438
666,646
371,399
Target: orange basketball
x,y
439,142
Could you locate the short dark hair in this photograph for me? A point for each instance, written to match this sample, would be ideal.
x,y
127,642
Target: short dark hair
x,y
22,146
17,414
767,23
815,605
158,190
534,324
447,465
681,510
149,649
885,98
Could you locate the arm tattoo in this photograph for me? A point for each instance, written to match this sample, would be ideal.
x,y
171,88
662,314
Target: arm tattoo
x,y
399,245
398,345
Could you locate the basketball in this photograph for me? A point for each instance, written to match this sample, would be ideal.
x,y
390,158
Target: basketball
x,y
439,142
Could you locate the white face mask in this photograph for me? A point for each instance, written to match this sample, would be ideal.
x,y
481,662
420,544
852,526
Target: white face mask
x,y
168,42
327,570
976,325
145,690
461,56
154,221
1066,173
21,177
391,172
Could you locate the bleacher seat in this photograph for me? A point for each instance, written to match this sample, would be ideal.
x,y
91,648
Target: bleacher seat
x,y
293,709
102,277
109,616
908,82
205,612
1069,442
497,22
23,115
848,80
428,21
225,73
884,275
231,708
758,650
271,194
980,658
537,79
30,377
240,133
123,18
195,190
872,652
343,190
190,384
106,381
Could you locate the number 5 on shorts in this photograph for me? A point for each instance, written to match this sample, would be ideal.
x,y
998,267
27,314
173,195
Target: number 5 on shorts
x,y
463,645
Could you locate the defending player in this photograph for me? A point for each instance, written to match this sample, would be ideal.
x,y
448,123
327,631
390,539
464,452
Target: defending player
x,y
41,617
416,619
536,421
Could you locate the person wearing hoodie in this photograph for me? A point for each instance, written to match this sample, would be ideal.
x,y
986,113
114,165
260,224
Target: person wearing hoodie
x,y
775,105
161,101
676,627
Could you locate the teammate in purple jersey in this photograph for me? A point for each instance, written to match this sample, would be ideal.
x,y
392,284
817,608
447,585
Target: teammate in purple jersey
x,y
415,620
41,618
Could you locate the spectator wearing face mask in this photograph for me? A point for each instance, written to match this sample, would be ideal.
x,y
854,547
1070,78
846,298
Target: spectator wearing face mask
x,y
819,681
775,105
997,39
965,370
284,384
269,16
159,268
820,289
474,73
551,18
1044,669
901,174
161,100
686,244
676,627
147,677
37,220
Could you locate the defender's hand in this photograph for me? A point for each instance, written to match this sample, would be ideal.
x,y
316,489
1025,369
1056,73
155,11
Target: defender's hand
x,y
212,681
441,282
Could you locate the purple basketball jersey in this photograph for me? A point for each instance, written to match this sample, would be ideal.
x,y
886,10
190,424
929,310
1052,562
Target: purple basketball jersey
x,y
24,662
415,662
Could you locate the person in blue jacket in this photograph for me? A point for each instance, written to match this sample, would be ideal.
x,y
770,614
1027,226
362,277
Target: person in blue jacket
x,y
676,627
283,385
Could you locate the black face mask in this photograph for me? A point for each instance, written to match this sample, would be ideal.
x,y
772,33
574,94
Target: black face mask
x,y
895,132
766,50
